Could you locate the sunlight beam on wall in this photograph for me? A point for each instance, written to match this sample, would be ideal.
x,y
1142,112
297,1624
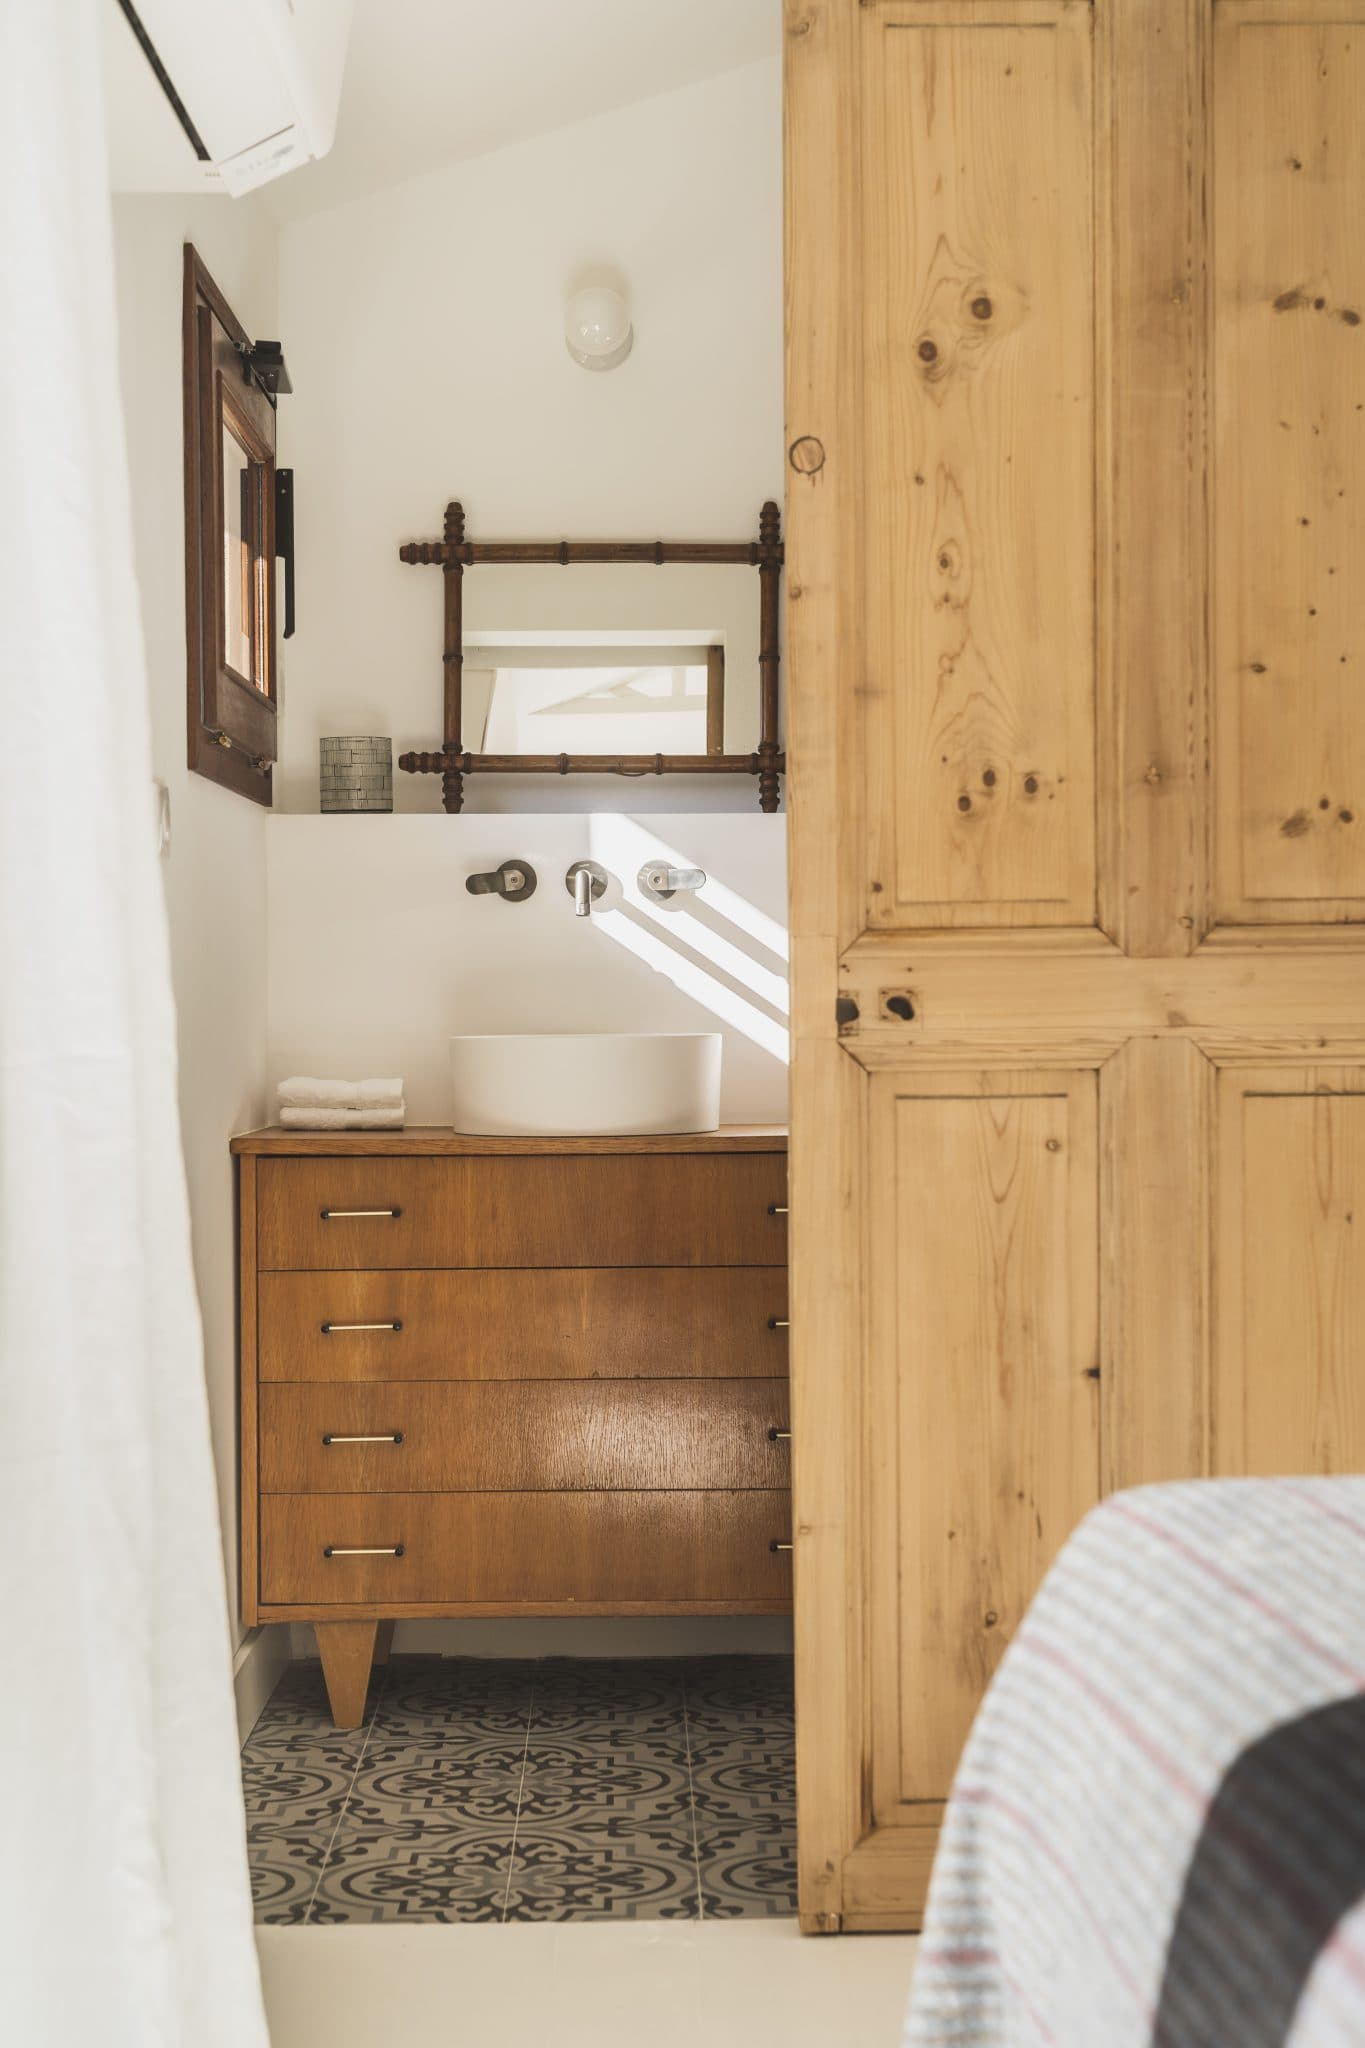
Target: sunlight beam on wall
x,y
694,980
623,847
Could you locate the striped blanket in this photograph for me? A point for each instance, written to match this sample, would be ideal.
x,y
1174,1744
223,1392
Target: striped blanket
x,y
1156,1838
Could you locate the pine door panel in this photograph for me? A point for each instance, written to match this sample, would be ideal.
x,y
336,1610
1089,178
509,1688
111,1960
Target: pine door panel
x,y
979,331
983,1347
1288,350
1076,499
1291,1256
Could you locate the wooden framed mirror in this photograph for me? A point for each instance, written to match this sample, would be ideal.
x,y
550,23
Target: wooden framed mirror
x,y
514,700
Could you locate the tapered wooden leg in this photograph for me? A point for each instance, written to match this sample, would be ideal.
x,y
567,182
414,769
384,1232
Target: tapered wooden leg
x,y
347,1651
383,1641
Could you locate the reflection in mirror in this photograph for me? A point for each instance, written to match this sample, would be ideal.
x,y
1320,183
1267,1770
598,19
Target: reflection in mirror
x,y
245,560
555,698
238,551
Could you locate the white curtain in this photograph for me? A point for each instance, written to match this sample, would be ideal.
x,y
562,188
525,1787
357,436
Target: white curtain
x,y
124,1912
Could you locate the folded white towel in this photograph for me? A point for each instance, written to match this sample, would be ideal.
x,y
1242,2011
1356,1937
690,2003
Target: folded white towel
x,y
302,1091
390,1119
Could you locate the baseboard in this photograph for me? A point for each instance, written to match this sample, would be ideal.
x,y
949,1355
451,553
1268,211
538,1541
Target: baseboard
x,y
261,1660
635,1635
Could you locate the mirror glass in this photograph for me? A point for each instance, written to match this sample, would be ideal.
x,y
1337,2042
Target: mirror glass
x,y
243,542
607,659
565,698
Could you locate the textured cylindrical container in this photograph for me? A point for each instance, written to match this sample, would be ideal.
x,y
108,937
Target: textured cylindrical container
x,y
356,773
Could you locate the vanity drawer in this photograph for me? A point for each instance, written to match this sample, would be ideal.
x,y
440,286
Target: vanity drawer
x,y
526,1550
513,1324
504,1436
618,1210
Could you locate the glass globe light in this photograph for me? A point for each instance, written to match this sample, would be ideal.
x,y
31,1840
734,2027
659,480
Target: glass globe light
x,y
597,329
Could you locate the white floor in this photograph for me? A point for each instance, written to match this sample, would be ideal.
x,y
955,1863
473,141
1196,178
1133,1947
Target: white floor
x,y
741,1984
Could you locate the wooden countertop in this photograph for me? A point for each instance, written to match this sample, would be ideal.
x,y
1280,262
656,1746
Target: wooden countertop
x,y
437,1141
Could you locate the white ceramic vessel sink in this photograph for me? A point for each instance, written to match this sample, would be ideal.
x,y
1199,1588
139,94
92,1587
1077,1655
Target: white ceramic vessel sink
x,y
609,1084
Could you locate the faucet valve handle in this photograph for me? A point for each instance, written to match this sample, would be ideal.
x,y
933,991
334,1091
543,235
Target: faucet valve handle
x,y
660,881
514,881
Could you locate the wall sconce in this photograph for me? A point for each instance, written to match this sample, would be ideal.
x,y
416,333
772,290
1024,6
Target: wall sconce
x,y
597,329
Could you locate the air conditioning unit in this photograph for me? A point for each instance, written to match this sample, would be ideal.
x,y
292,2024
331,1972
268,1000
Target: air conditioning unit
x,y
255,85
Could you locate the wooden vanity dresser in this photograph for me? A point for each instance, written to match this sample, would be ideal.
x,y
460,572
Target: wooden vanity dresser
x,y
510,1376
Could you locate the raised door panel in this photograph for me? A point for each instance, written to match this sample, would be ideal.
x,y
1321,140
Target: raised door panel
x,y
979,454
1288,365
1289,1386
984,1406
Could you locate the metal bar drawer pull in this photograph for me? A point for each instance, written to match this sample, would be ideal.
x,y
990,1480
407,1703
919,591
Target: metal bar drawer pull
x,y
778,1209
394,1436
775,1435
330,1329
775,1545
330,1215
394,1550
778,1323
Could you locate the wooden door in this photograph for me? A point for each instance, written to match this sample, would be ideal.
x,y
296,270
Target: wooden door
x,y
1076,625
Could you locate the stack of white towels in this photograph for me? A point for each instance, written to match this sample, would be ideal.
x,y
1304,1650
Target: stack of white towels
x,y
307,1104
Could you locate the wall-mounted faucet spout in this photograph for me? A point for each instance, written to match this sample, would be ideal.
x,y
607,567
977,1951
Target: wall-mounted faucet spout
x,y
585,882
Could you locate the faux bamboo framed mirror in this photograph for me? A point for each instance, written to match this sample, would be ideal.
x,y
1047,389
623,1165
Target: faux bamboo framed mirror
x,y
517,695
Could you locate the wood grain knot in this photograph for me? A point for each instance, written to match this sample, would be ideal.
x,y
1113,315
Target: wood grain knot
x,y
981,307
806,455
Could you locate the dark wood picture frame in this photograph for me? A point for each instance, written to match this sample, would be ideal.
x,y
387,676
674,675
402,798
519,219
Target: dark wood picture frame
x,y
453,553
230,718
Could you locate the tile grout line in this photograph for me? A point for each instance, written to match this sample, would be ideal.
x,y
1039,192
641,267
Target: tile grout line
x,y
345,1804
692,1797
521,1792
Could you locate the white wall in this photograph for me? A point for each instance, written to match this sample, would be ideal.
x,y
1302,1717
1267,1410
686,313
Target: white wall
x,y
215,870
424,333
423,330
378,954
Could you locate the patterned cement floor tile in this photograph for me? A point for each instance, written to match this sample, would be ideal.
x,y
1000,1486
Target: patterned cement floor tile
x,y
416,1873
735,1780
615,1870
572,1788
561,1790
285,1868
459,1698
748,1873
473,1780
294,1790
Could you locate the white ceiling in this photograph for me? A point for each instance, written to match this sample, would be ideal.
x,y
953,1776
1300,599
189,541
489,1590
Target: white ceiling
x,y
428,81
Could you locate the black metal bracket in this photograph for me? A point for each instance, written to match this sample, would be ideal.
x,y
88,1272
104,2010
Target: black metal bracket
x,y
263,365
284,541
